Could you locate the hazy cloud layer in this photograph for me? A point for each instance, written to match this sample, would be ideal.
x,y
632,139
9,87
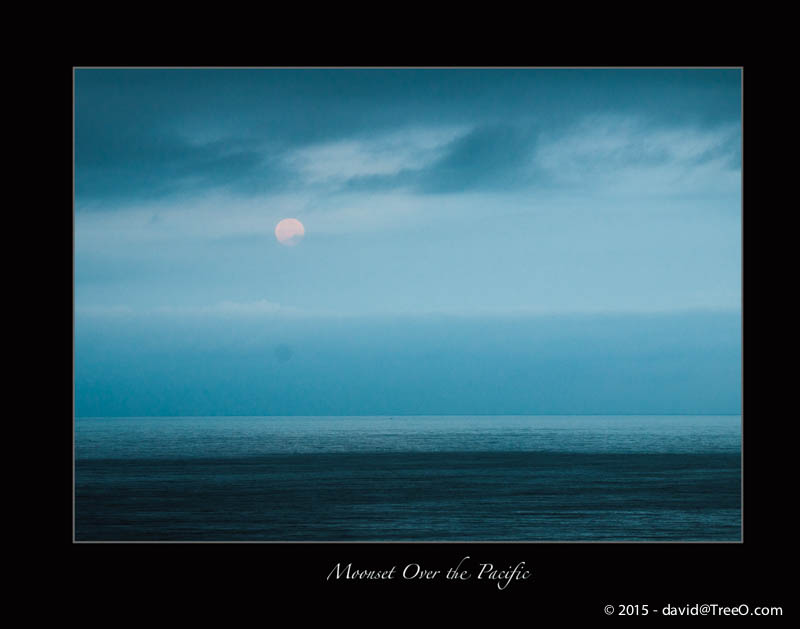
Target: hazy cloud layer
x,y
142,134
673,364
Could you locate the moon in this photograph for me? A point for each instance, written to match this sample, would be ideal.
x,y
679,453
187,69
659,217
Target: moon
x,y
289,232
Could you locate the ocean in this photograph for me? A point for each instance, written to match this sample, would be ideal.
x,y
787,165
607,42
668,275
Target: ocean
x,y
433,478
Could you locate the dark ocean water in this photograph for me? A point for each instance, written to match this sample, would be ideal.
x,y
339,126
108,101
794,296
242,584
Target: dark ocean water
x,y
442,478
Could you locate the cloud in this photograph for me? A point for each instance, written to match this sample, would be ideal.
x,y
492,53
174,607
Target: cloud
x,y
221,215
388,154
265,309
489,156
123,168
627,156
148,134
104,311
223,309
237,309
259,307
197,216
623,155
128,165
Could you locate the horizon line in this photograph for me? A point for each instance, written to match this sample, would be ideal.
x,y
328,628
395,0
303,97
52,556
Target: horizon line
x,y
392,415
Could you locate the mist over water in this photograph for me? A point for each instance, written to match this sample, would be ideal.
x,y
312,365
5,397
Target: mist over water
x,y
632,364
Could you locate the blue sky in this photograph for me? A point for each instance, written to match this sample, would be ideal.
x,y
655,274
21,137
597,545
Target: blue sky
x,y
437,204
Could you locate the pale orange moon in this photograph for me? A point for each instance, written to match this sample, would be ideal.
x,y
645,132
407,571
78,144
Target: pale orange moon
x,y
289,232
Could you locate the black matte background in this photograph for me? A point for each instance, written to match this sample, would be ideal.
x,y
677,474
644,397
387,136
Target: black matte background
x,y
239,583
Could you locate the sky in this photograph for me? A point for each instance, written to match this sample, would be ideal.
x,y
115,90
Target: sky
x,y
519,241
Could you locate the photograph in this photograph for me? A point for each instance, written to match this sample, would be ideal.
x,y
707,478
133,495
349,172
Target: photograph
x,y
419,324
